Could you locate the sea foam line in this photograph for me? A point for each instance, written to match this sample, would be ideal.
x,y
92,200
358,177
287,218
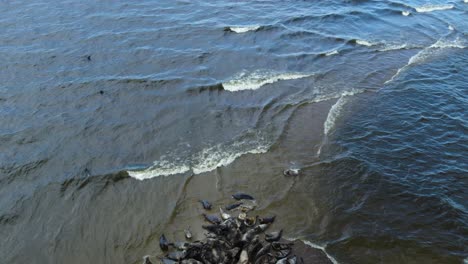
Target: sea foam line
x,y
243,29
313,245
422,55
334,52
259,78
365,43
333,114
430,8
206,160
384,46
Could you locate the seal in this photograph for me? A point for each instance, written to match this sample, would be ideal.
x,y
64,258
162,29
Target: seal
x,y
274,236
163,243
168,261
250,221
212,219
188,233
146,260
291,172
224,215
242,196
266,220
232,206
177,255
206,205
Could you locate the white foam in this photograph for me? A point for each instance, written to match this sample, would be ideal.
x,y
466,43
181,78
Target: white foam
x,y
430,8
214,157
451,28
390,47
243,29
331,53
427,52
206,160
455,205
365,43
441,44
256,79
333,114
159,168
406,13
465,261
313,245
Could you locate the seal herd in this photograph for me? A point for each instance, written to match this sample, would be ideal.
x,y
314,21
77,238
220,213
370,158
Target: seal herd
x,y
232,237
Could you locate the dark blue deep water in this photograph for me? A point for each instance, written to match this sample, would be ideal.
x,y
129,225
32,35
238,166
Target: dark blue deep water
x,y
116,117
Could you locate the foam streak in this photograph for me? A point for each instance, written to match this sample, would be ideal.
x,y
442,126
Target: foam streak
x,y
256,79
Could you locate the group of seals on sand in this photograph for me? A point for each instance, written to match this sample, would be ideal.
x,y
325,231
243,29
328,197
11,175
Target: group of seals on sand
x,y
231,239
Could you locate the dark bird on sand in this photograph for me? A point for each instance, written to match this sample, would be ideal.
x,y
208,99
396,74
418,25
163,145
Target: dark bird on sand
x,y
206,204
163,243
242,196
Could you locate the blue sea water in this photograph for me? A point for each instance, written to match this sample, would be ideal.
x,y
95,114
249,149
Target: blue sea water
x,y
116,117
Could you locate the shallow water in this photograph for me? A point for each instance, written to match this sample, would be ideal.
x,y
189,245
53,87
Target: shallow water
x,y
117,118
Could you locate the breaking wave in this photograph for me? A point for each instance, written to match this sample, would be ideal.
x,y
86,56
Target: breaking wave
x,y
243,29
384,46
390,47
365,43
430,8
333,114
206,160
313,245
256,79
425,53
331,53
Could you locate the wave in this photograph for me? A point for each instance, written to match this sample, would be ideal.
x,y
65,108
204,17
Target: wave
x,y
406,13
256,79
313,245
382,45
390,47
206,160
331,53
243,29
365,43
430,8
333,114
427,52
